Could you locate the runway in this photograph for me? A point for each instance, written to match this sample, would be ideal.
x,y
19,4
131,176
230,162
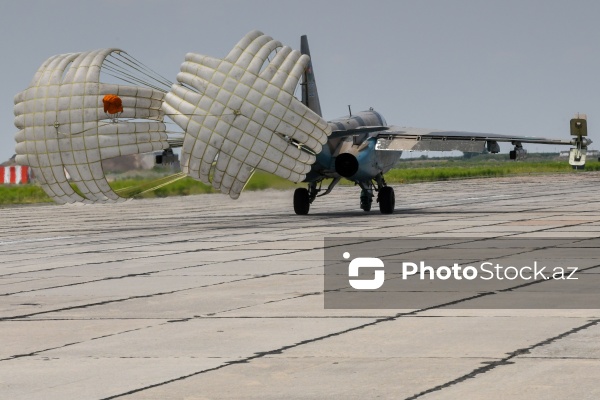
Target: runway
x,y
204,297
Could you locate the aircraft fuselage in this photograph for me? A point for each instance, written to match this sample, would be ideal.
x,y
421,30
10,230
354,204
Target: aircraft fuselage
x,y
353,157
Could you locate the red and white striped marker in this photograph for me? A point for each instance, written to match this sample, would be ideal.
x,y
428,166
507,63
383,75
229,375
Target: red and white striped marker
x,y
14,174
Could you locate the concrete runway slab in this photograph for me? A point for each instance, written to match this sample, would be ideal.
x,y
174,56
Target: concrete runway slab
x,y
204,297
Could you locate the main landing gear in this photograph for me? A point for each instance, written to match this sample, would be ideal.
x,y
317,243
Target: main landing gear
x,y
385,195
366,199
303,197
301,201
386,199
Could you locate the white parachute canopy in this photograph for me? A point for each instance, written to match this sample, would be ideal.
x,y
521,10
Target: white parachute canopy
x,y
239,113
69,120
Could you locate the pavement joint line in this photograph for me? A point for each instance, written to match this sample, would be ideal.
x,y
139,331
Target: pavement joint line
x,y
504,361
145,295
266,224
81,306
471,240
195,266
214,315
38,352
559,208
138,258
145,245
267,302
151,272
281,349
561,358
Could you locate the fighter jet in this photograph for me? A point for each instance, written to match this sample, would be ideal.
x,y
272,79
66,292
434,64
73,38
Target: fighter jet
x,y
363,147
237,115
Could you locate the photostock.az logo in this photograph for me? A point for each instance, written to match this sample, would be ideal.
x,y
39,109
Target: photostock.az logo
x,y
365,262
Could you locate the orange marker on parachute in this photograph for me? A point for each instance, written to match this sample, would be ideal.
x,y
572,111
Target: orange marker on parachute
x,y
112,104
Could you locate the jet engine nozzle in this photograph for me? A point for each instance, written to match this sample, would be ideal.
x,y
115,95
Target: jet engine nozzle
x,y
346,165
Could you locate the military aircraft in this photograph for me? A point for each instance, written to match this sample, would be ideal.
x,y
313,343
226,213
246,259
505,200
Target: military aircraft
x,y
237,115
362,148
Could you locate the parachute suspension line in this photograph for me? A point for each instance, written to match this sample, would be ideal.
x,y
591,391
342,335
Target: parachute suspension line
x,y
187,87
235,112
149,71
132,71
132,191
175,179
119,73
122,63
136,65
135,81
110,118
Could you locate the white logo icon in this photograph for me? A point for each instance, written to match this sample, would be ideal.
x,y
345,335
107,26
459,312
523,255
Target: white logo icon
x,y
365,262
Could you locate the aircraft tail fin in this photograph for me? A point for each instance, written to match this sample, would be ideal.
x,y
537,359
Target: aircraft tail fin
x,y
310,95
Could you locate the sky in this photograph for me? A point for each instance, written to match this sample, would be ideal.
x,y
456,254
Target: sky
x,y
510,67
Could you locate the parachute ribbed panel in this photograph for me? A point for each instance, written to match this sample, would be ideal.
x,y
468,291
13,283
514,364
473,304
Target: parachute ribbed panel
x,y
238,116
63,126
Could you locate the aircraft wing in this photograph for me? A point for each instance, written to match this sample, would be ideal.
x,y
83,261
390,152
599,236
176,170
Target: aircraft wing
x,y
402,138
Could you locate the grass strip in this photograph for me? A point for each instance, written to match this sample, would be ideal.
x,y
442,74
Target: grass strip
x,y
406,172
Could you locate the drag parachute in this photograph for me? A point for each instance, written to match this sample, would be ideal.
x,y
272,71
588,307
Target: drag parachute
x,y
69,121
240,114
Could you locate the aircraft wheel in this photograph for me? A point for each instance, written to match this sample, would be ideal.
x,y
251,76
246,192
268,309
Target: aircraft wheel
x,y
301,201
387,200
366,199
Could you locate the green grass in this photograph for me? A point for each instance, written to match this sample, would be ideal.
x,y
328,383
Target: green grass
x,y
410,171
133,187
441,171
22,194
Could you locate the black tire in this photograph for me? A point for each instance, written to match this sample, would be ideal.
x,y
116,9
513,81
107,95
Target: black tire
x,y
387,200
365,201
301,201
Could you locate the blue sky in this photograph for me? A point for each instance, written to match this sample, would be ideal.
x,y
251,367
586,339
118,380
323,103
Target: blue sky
x,y
512,67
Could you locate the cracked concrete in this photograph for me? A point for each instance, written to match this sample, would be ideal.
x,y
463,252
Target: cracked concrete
x,y
203,297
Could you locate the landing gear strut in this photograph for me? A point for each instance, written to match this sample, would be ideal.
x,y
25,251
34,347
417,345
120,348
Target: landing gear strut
x,y
303,197
366,199
385,195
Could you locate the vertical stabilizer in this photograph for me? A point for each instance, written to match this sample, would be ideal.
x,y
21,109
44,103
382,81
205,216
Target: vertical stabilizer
x,y
310,96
